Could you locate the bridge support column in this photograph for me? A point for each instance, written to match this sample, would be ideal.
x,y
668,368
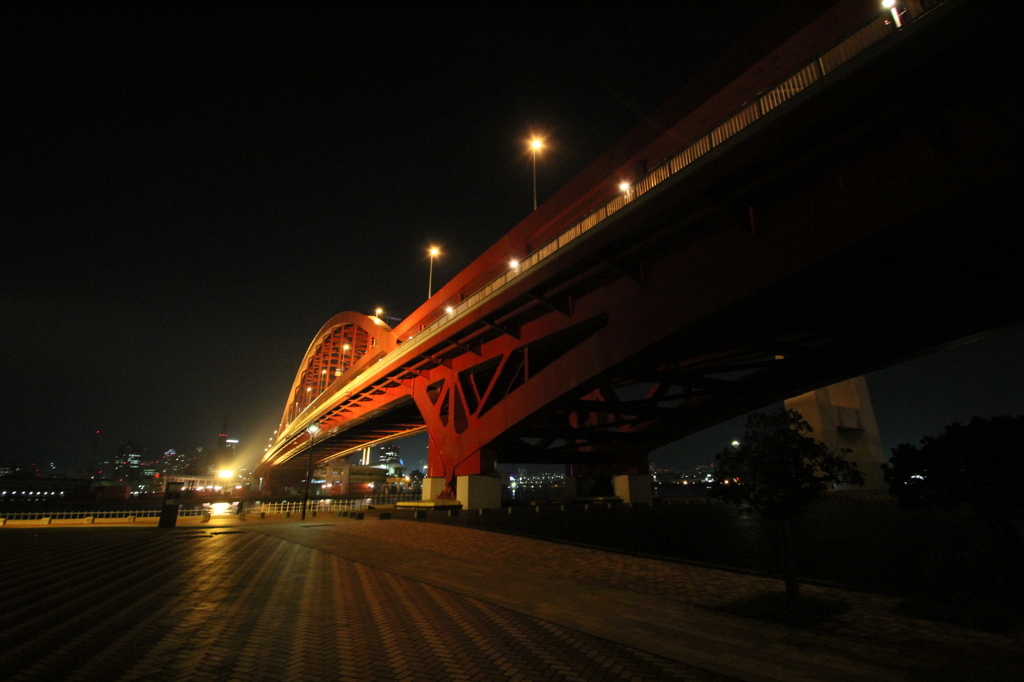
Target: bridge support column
x,y
432,487
479,492
842,417
633,488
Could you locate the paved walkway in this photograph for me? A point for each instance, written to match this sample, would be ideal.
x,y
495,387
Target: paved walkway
x,y
342,599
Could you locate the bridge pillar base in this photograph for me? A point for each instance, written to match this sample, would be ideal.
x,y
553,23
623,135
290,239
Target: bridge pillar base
x,y
432,487
841,416
633,488
479,492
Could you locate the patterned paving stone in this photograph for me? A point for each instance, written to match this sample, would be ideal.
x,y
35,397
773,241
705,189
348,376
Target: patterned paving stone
x,y
143,604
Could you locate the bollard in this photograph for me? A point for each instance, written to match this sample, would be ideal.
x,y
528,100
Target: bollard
x,y
510,509
131,519
263,515
313,514
356,515
419,514
3,521
341,514
384,516
586,507
205,519
561,507
483,512
453,512
536,508
287,515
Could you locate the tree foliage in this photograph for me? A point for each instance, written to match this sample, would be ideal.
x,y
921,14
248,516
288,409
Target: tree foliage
x,y
778,470
980,464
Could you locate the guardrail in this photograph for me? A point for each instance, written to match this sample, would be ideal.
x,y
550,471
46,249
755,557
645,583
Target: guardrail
x,y
325,506
268,508
95,515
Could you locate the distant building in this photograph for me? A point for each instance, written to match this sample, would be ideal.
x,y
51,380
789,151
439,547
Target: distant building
x,y
224,454
391,459
129,460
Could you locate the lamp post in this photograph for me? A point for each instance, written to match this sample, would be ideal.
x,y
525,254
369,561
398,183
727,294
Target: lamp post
x,y
344,350
535,146
434,253
313,429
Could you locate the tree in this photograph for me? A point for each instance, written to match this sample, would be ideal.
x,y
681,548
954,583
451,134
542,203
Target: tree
x,y
980,464
777,471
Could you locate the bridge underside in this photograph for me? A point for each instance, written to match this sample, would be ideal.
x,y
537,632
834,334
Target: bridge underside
x,y
875,220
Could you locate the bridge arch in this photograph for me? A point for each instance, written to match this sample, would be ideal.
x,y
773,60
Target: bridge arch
x,y
346,342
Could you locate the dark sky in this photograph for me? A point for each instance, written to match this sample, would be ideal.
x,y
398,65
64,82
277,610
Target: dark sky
x,y
190,191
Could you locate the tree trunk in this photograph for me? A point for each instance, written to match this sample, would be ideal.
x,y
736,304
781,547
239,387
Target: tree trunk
x,y
788,568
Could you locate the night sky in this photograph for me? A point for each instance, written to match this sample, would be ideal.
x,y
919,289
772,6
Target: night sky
x,y
189,192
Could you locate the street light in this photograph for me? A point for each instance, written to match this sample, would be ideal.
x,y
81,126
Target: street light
x,y
344,349
536,145
312,429
434,253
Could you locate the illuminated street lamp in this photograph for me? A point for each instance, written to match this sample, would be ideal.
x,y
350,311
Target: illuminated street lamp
x,y
891,6
378,312
313,429
434,253
344,349
536,145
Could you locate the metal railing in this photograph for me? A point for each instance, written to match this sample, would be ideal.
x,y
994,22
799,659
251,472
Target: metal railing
x,y
326,506
268,508
79,515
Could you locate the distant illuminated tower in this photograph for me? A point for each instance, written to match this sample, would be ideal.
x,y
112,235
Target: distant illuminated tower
x,y
390,456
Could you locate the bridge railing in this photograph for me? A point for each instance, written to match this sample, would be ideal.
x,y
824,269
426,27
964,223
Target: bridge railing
x,y
826,63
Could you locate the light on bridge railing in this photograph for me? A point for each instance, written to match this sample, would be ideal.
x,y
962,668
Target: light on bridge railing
x,y
513,264
624,187
449,310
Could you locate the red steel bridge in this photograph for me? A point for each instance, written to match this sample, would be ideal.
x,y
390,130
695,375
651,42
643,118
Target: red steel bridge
x,y
837,193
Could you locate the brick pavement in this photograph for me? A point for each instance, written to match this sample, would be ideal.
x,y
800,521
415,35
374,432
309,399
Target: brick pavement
x,y
869,615
223,604
870,633
343,599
